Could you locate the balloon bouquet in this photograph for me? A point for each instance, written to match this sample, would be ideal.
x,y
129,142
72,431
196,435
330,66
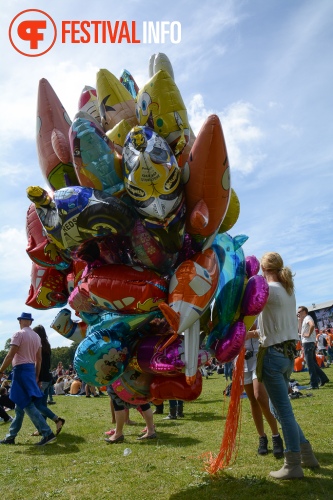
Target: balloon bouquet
x,y
132,235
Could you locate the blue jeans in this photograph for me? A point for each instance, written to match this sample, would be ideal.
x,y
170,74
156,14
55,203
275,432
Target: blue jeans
x,y
276,375
41,404
36,418
316,374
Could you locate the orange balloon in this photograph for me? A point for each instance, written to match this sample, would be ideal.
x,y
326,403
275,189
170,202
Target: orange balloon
x,y
52,139
207,179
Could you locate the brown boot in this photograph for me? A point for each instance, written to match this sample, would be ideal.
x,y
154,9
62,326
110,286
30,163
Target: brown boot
x,y
291,468
307,456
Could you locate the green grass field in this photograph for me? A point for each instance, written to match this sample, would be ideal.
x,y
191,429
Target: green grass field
x,y
80,465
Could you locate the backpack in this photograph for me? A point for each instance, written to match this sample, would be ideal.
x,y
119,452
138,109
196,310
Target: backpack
x,y
324,342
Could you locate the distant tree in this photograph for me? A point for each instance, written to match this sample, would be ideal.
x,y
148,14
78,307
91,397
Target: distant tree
x,y
63,354
4,352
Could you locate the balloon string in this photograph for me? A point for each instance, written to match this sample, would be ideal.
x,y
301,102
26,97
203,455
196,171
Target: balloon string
x,y
230,444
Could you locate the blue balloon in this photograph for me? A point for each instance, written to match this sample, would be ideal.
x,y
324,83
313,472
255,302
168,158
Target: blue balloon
x,y
101,358
231,282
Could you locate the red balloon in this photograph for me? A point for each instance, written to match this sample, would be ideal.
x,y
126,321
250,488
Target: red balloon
x,y
129,290
48,288
176,387
40,250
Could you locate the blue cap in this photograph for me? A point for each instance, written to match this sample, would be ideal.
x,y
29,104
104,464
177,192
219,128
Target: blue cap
x,y
26,316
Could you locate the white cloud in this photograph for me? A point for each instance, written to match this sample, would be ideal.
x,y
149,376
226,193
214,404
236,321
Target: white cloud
x,y
243,137
14,261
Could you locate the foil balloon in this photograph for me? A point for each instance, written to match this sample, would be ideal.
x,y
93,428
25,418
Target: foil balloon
x,y
115,101
125,289
52,139
97,164
159,62
148,250
252,265
88,103
207,190
176,387
79,300
129,83
159,105
48,288
191,290
231,282
232,213
78,214
71,330
124,325
157,355
255,296
117,135
169,232
101,358
40,249
151,174
75,274
133,386
228,348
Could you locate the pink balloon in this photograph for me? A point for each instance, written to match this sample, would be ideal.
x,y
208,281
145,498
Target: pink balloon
x,y
255,296
229,347
133,386
252,265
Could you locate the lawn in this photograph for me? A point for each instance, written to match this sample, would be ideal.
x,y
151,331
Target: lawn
x,y
80,465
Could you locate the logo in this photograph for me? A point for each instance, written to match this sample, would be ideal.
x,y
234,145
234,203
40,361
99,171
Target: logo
x,y
32,32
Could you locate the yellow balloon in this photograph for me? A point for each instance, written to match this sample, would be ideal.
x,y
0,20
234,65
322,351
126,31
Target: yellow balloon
x,y
114,100
159,105
119,132
232,214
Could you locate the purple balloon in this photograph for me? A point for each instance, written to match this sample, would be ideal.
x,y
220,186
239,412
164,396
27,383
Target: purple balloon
x,y
229,347
255,296
252,265
170,360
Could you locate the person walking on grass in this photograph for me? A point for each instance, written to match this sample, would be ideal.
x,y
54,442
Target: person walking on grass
x,y
278,336
25,355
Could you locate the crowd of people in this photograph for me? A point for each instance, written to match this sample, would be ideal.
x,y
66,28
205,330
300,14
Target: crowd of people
x,y
270,349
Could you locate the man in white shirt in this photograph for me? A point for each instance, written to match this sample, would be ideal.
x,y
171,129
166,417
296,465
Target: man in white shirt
x,y
308,338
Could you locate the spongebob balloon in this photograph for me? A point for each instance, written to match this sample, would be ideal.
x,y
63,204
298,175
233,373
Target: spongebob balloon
x,y
159,105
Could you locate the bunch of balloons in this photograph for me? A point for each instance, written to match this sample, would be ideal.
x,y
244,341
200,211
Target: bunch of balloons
x,y
132,235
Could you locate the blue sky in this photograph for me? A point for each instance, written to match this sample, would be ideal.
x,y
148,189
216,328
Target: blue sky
x,y
265,67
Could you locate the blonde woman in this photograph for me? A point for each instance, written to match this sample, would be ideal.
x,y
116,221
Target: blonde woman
x,y
278,337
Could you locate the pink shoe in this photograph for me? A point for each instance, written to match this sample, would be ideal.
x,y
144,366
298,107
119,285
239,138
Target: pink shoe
x,y
110,432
